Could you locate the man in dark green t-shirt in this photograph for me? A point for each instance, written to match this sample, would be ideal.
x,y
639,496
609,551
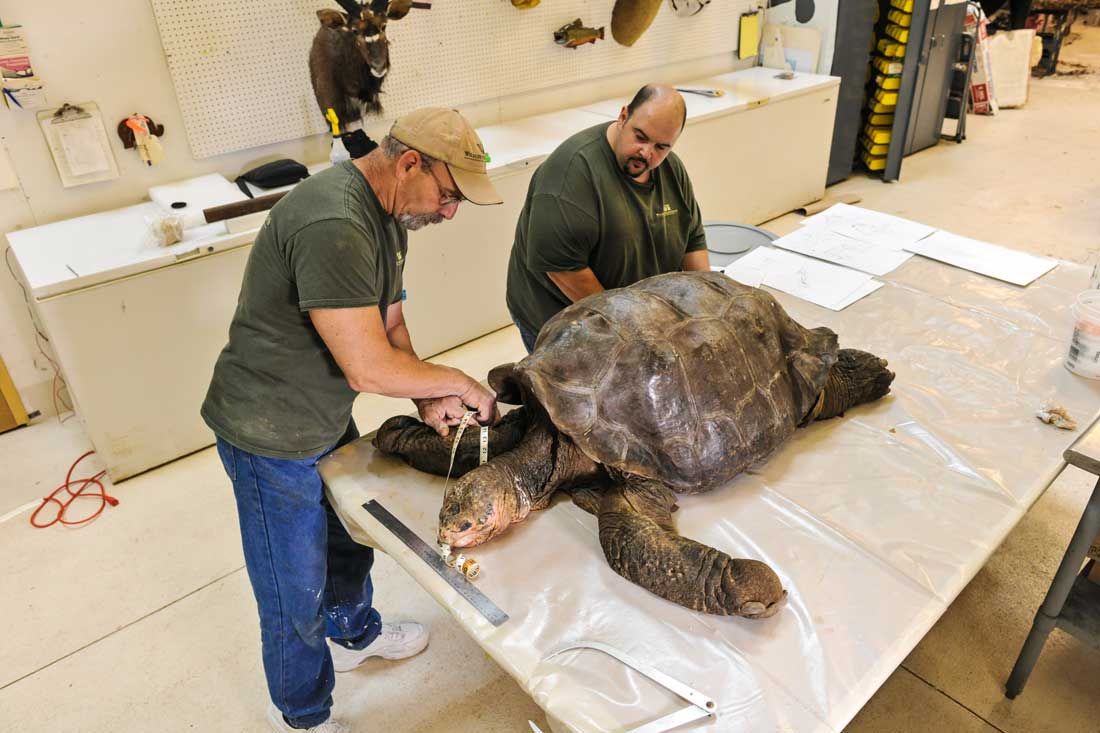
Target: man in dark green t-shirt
x,y
319,320
612,205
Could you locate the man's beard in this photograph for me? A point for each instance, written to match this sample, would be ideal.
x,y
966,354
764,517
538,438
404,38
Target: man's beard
x,y
626,166
412,222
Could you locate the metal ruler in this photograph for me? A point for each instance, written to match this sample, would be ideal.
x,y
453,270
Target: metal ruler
x,y
492,613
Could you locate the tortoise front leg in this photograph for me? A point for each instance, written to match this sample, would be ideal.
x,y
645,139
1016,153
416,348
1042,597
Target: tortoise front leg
x,y
423,449
640,542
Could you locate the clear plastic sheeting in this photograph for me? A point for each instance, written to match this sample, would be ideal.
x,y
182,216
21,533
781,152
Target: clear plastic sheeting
x,y
874,521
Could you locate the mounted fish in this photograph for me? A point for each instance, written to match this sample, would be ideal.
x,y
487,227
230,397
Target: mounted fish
x,y
576,34
348,62
631,18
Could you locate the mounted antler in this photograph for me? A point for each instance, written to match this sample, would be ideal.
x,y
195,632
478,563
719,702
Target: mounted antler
x,y
351,7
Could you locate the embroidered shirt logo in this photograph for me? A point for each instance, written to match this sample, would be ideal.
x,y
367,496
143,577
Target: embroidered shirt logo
x,y
400,259
667,211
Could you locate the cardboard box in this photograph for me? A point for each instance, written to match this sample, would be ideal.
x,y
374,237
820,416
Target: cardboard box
x,y
12,413
981,82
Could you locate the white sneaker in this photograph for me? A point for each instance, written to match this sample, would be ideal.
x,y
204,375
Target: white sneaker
x,y
278,723
397,641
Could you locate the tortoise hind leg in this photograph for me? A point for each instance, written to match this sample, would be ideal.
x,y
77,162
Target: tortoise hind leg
x,y
423,449
857,377
640,542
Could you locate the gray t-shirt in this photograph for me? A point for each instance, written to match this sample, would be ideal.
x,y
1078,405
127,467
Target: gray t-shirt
x,y
277,391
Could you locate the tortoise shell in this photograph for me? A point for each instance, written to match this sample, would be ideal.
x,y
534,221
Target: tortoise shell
x,y
686,378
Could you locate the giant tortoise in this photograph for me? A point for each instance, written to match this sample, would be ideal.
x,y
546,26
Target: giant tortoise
x,y
675,384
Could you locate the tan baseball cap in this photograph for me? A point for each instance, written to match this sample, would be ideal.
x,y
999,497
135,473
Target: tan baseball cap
x,y
446,135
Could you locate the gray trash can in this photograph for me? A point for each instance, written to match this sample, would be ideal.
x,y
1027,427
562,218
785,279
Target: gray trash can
x,y
727,241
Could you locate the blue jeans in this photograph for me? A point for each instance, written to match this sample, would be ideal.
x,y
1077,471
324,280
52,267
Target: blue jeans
x,y
526,335
310,579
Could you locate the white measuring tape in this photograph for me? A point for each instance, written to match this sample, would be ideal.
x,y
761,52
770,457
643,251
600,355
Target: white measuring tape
x,y
484,446
467,566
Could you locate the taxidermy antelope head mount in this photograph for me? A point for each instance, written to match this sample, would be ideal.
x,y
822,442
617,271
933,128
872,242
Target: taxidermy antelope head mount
x,y
350,57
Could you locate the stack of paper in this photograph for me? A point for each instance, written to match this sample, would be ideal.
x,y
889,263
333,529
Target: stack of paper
x,y
826,285
825,244
1019,268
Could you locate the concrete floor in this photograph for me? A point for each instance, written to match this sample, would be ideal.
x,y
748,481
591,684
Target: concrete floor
x,y
144,621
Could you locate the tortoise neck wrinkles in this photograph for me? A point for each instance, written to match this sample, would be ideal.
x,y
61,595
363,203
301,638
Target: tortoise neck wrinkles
x,y
533,467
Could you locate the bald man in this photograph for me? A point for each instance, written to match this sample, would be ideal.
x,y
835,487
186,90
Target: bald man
x,y
612,205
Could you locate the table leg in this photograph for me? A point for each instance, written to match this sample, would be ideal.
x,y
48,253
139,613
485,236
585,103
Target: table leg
x,y
1047,616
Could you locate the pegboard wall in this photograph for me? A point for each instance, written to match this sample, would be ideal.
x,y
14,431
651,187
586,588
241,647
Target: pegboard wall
x,y
242,78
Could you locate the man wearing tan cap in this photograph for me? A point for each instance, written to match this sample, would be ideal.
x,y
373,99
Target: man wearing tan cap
x,y
318,321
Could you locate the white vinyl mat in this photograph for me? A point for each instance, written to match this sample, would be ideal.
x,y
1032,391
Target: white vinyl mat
x,y
874,521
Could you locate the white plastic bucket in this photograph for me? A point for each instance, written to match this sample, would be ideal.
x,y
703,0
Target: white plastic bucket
x,y
1084,347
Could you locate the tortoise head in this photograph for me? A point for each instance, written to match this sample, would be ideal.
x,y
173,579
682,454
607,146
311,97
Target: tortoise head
x,y
477,507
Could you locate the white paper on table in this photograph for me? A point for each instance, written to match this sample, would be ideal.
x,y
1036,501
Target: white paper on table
x,y
1002,263
826,244
821,283
751,268
870,226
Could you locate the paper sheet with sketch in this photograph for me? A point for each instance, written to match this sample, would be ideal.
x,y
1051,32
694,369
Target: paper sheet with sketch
x,y
1002,263
821,283
870,226
825,244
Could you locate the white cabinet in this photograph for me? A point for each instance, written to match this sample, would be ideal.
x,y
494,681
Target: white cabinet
x,y
138,352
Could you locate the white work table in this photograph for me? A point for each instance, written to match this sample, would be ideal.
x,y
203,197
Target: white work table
x,y
874,521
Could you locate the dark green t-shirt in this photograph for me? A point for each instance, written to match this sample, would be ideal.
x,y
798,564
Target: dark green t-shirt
x,y
583,211
277,391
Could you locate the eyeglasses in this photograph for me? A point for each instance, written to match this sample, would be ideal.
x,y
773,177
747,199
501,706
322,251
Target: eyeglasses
x,y
447,196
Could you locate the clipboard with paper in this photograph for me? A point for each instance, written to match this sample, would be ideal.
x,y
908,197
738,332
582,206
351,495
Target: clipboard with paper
x,y
79,144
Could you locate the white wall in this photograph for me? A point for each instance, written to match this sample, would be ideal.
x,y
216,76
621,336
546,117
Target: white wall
x,y
110,54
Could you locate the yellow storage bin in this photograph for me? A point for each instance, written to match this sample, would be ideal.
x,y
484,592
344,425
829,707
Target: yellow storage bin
x,y
874,149
873,162
877,135
905,6
900,17
884,96
899,34
890,48
887,82
887,66
881,120
880,107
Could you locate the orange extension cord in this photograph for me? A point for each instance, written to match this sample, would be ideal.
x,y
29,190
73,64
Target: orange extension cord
x,y
82,485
